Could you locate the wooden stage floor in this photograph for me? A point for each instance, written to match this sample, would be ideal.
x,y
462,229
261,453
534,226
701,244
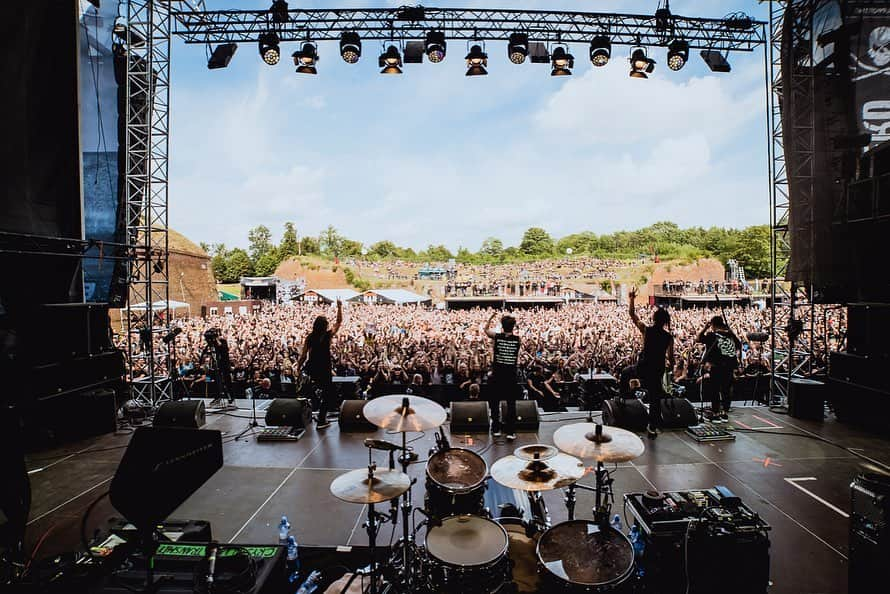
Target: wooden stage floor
x,y
799,485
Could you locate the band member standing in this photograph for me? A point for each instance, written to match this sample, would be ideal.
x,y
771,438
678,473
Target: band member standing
x,y
316,354
722,354
503,384
657,343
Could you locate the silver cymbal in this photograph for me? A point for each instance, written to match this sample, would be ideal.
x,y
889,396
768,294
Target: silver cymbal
x,y
613,445
536,451
389,412
355,486
557,472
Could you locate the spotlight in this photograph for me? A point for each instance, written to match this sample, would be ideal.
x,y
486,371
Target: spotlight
x,y
390,61
222,55
640,64
562,62
350,47
434,46
306,58
715,61
279,11
517,48
269,49
678,54
477,60
600,50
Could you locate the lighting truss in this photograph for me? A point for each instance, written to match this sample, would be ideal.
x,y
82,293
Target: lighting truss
x,y
242,26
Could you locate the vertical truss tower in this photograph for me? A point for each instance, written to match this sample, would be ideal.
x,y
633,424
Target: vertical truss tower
x,y
792,129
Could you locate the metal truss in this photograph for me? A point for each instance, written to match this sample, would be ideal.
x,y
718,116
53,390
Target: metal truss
x,y
791,111
146,50
233,26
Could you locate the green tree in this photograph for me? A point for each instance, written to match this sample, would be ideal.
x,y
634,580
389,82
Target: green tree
x,y
260,239
218,261
752,251
384,249
238,264
204,246
309,245
290,243
492,247
579,243
536,242
267,263
330,241
464,256
350,247
437,253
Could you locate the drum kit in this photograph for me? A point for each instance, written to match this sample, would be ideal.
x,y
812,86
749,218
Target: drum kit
x,y
488,530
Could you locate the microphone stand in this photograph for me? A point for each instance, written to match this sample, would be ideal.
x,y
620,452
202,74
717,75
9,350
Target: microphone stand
x,y
252,424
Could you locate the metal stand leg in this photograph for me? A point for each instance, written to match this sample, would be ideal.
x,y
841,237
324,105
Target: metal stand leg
x,y
570,501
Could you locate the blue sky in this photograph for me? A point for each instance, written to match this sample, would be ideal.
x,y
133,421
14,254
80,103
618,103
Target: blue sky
x,y
433,156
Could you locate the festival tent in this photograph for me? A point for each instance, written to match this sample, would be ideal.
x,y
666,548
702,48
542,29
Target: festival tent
x,y
392,297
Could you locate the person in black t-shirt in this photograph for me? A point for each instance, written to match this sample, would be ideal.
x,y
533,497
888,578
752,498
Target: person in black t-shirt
x,y
503,383
658,343
316,354
722,355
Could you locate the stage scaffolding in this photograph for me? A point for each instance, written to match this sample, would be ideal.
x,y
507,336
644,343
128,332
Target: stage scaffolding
x,y
146,47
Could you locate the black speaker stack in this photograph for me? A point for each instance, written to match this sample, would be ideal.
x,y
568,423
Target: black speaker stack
x,y
869,532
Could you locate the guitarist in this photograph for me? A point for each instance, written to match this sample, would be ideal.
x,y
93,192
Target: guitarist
x,y
722,355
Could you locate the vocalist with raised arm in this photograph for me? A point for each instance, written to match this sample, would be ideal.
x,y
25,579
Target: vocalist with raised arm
x,y
316,354
503,384
658,344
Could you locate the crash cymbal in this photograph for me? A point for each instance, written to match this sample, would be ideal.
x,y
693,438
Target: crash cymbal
x,y
612,445
356,487
390,413
536,451
559,471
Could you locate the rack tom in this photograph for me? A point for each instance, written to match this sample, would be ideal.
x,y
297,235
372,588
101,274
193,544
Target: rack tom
x,y
455,483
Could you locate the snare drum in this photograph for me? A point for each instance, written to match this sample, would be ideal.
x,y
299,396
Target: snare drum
x,y
580,556
455,483
467,554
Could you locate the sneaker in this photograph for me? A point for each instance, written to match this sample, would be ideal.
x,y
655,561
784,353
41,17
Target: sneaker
x,y
511,436
650,432
323,425
496,433
724,417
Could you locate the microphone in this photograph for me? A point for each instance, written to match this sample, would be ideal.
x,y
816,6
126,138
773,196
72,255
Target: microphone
x,y
381,444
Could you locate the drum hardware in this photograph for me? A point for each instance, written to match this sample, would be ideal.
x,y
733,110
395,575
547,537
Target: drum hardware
x,y
604,495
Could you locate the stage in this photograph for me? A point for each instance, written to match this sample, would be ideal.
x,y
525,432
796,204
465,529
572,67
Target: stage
x,y
799,485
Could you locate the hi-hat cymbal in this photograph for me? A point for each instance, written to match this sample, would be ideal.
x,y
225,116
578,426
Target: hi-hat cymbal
x,y
613,445
557,472
356,487
536,451
389,412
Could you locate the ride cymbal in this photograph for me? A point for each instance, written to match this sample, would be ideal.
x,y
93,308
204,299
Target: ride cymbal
x,y
401,412
357,487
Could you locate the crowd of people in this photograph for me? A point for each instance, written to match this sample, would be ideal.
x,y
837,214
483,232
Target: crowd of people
x,y
386,345
704,287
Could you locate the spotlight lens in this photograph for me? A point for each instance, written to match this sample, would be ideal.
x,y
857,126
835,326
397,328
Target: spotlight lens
x,y
350,56
271,56
517,57
436,56
600,58
676,62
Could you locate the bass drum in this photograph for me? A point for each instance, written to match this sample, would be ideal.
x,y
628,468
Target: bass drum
x,y
523,518
580,556
467,555
455,483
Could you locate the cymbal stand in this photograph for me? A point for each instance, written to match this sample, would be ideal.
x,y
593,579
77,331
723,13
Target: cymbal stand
x,y
372,525
604,496
405,460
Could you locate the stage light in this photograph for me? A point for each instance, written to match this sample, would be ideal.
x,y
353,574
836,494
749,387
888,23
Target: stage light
x,y
278,11
678,54
390,61
600,51
477,60
562,62
222,55
715,61
663,18
269,49
350,47
306,58
517,48
435,46
413,52
640,64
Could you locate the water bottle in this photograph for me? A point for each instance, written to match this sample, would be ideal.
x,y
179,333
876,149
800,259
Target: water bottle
x,y
311,583
639,545
293,555
616,523
248,393
283,530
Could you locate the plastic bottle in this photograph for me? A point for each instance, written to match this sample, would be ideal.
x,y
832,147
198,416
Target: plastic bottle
x,y
616,523
639,546
311,583
293,554
283,530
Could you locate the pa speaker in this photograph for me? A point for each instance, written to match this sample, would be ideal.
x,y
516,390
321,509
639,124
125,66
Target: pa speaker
x,y
188,414
626,413
526,415
806,399
352,416
469,417
677,413
289,412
